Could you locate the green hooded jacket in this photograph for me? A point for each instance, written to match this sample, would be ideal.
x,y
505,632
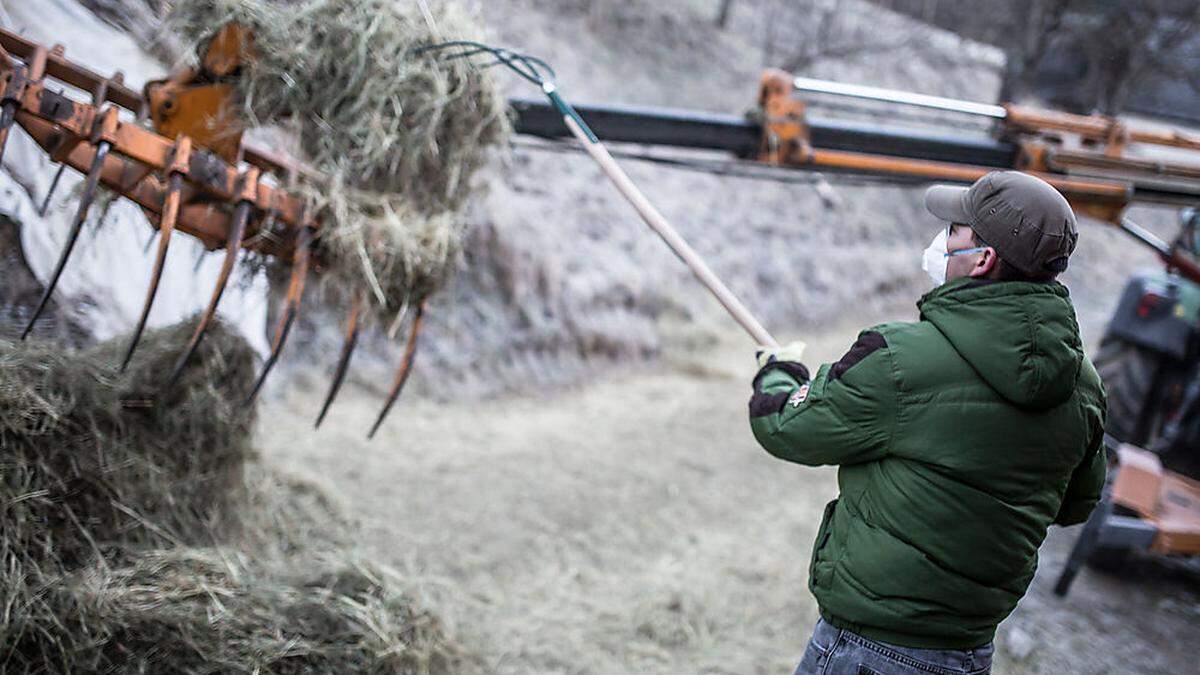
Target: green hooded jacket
x,y
960,439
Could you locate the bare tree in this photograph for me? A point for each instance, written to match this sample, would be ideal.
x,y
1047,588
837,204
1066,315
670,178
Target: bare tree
x,y
1023,29
1037,24
723,13
1099,51
1125,43
798,34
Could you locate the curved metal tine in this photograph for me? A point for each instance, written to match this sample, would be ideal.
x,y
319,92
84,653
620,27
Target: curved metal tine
x,y
233,245
290,310
339,374
166,226
50,193
8,113
410,351
85,202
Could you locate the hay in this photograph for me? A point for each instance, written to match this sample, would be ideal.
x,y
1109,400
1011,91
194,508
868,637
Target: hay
x,y
127,512
90,457
400,135
382,248
210,610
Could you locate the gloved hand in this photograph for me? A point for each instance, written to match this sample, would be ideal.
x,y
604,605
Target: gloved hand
x,y
793,352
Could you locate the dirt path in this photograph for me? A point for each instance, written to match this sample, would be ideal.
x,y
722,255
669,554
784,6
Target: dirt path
x,y
632,525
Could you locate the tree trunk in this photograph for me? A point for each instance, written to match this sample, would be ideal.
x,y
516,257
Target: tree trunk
x,y
1040,21
723,13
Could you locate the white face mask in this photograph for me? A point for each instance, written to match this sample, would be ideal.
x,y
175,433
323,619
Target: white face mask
x,y
934,260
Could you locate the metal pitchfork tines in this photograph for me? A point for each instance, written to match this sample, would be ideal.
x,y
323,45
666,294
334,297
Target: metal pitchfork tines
x,y
103,137
166,225
343,363
248,188
291,308
410,352
196,181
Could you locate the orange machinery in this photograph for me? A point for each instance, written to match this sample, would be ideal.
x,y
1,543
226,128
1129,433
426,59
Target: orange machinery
x,y
1085,157
1144,508
191,172
1099,163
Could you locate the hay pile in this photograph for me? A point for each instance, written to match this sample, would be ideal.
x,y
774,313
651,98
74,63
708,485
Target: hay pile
x,y
91,458
208,610
127,514
400,135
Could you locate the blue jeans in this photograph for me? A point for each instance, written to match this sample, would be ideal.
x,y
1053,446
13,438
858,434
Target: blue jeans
x,y
833,651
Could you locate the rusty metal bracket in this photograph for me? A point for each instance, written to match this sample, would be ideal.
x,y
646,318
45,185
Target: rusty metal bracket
x,y
786,138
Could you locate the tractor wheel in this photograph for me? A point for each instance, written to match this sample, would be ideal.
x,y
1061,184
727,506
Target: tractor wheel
x,y
1128,372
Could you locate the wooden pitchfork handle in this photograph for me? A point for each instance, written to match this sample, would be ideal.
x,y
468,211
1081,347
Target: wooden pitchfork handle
x,y
659,224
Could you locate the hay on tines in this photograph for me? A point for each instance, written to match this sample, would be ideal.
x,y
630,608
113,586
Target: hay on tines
x,y
387,125
90,457
386,249
365,105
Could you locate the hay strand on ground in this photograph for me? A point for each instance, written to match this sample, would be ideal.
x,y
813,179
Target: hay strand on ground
x,y
211,610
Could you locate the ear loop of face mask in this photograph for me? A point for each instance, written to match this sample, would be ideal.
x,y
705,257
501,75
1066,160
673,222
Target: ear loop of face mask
x,y
961,251
965,251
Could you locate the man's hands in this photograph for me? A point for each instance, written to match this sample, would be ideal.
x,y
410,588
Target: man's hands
x,y
792,352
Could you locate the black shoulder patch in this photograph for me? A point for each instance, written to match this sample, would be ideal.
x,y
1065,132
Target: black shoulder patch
x,y
867,343
762,404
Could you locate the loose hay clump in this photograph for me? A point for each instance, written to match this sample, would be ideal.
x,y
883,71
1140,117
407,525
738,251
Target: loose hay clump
x,y
90,458
399,134
126,513
210,610
383,247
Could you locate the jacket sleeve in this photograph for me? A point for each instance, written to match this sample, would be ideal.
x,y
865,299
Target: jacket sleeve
x,y
1086,485
844,415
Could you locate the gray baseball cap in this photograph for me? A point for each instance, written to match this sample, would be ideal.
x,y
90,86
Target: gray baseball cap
x,y
1027,221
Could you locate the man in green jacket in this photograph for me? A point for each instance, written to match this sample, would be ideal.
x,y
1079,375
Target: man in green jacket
x,y
960,438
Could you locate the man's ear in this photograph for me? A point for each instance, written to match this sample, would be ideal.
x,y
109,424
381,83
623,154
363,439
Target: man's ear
x,y
986,263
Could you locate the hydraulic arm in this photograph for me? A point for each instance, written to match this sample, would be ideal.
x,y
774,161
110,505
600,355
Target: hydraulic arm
x,y
1088,158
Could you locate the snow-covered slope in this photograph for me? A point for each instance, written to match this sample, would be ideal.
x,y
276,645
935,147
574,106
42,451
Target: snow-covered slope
x,y
105,281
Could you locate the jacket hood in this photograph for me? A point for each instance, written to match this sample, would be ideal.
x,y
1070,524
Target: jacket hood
x,y
1022,338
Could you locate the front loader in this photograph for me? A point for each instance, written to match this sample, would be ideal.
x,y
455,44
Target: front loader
x,y
177,151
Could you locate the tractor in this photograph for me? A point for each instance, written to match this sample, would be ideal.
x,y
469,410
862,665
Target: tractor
x,y
1149,360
